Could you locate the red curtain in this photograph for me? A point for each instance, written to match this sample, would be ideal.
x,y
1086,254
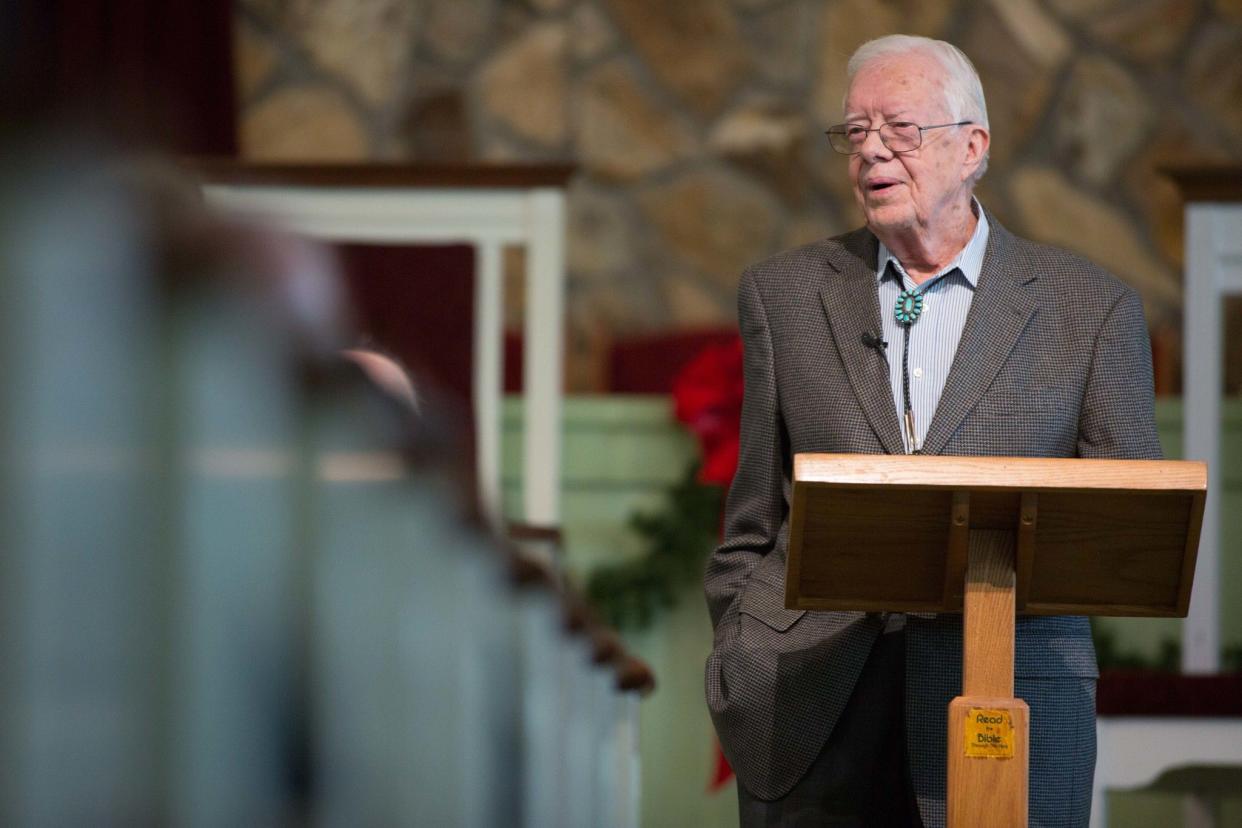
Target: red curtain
x,y
416,302
152,71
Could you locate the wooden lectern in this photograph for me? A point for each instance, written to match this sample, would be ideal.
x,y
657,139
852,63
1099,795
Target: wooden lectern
x,y
990,537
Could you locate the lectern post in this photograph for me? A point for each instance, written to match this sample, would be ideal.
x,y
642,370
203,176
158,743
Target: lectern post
x,y
988,756
992,537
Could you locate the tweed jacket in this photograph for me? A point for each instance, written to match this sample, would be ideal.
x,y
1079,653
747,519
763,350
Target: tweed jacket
x,y
1054,361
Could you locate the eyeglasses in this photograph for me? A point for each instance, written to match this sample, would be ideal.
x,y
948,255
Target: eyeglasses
x,y
898,136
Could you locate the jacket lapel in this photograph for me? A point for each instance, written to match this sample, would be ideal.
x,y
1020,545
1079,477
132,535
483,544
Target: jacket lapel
x,y
999,312
852,303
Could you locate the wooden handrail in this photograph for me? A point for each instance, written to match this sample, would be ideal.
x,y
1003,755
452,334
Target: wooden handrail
x,y
1150,693
1207,182
380,175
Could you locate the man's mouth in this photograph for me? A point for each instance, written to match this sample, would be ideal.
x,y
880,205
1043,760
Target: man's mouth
x,y
881,184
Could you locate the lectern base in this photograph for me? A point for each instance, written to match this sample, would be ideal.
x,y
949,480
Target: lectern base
x,y
988,762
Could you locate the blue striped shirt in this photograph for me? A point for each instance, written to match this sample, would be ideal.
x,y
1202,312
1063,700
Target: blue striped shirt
x,y
934,336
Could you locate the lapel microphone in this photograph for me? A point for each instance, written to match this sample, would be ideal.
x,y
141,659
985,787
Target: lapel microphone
x,y
874,343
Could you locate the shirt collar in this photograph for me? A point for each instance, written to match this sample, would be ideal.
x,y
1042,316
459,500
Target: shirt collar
x,y
969,259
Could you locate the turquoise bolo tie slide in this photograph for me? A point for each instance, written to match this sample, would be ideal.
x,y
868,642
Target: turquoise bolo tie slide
x,y
909,307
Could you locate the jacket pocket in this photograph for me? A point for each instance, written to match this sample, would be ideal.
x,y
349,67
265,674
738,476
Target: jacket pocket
x,y
1040,401
765,602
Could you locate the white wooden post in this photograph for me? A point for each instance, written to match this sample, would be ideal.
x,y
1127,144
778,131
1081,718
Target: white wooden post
x,y
1213,271
488,375
542,362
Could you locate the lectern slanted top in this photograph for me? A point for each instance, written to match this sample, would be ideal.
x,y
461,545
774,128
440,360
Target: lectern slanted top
x,y
889,533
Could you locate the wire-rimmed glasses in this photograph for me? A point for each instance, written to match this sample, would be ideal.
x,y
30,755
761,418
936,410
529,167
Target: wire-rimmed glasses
x,y
898,136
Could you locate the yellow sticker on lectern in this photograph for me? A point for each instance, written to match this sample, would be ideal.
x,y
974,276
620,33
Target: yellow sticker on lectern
x,y
989,733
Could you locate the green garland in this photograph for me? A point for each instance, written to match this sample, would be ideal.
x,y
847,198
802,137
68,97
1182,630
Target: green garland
x,y
679,537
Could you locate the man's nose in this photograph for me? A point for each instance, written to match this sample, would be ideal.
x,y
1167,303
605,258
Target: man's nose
x,y
873,148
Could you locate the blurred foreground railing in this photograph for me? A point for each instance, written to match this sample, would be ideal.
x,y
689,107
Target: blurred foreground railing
x,y
239,583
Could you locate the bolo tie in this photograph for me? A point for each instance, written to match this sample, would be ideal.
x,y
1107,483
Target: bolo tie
x,y
908,310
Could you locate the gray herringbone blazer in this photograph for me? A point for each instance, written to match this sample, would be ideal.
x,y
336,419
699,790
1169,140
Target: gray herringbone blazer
x,y
1054,361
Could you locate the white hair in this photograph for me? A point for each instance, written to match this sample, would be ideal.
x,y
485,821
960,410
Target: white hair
x,y
963,91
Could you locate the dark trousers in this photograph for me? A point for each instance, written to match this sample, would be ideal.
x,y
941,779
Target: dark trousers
x,y
862,776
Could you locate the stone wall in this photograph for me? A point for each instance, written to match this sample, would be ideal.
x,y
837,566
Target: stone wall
x,y
697,124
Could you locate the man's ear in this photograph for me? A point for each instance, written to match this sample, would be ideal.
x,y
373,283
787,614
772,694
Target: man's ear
x,y
976,150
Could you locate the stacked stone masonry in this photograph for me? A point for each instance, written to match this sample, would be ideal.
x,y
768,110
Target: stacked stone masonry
x,y
697,125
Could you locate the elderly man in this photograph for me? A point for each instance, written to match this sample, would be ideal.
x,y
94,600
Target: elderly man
x,y
934,330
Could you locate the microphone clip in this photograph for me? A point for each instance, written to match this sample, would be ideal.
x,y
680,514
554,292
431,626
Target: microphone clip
x,y
874,343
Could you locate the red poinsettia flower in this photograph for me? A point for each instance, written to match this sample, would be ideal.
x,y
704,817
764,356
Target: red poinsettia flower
x,y
708,394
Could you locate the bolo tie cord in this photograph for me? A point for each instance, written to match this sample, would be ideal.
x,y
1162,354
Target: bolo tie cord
x,y
909,309
911,434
